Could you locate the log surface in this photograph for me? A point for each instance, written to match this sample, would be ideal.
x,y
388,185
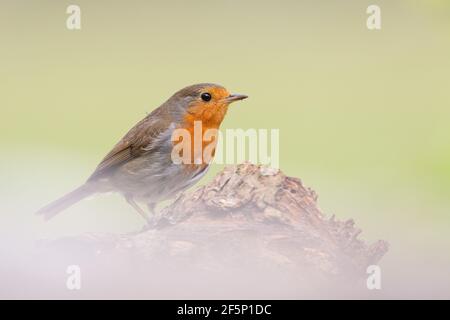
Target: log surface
x,y
248,216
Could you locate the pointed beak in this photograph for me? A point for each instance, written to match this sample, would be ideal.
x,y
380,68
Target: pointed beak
x,y
235,97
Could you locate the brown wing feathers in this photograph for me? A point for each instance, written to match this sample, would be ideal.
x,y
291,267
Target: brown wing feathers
x,y
132,145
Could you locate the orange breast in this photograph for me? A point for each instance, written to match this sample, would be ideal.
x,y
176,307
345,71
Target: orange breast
x,y
198,121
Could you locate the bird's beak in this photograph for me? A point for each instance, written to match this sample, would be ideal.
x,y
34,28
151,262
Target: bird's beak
x,y
235,97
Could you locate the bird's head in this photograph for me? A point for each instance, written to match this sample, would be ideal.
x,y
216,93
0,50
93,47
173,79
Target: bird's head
x,y
205,102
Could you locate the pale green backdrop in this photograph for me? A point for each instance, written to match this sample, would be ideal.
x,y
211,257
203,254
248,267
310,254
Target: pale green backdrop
x,y
363,115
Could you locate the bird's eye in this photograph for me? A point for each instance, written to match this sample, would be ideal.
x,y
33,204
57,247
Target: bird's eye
x,y
206,96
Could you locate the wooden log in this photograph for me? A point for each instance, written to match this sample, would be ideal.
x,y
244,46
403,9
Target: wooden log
x,y
248,216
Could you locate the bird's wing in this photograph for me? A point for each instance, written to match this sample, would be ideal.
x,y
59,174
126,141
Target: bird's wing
x,y
136,142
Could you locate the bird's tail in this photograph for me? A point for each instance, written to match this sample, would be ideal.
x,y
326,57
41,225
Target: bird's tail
x,y
52,209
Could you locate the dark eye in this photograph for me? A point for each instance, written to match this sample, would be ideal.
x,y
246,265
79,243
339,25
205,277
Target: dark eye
x,y
206,96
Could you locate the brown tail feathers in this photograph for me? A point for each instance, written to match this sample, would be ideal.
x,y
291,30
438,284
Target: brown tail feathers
x,y
52,209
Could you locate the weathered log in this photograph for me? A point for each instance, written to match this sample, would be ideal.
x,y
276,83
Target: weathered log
x,y
249,216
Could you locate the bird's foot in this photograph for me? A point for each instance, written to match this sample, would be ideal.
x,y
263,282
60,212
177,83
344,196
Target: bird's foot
x,y
151,223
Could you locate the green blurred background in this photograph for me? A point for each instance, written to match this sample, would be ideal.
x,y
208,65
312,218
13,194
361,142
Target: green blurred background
x,y
363,115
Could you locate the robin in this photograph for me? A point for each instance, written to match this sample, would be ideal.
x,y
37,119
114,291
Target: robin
x,y
141,166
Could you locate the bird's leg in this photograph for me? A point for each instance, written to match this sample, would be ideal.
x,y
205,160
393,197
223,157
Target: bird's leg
x,y
139,210
152,219
151,208
153,216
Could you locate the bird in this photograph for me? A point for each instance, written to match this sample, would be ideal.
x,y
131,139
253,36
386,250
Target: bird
x,y
141,167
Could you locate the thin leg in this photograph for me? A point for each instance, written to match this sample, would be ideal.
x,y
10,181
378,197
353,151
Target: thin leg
x,y
151,208
154,218
139,210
